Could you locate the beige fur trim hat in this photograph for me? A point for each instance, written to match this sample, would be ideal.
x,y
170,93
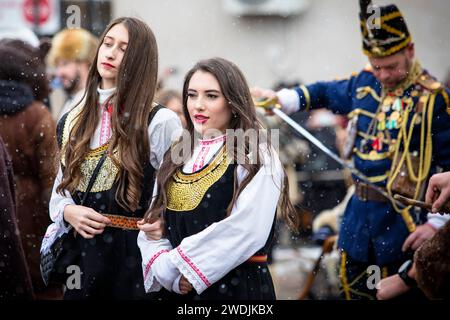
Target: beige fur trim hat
x,y
73,44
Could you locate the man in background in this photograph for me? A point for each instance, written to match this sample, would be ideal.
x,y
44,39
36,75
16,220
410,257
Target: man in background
x,y
71,55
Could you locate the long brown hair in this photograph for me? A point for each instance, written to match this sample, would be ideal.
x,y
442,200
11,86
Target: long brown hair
x,y
132,103
235,89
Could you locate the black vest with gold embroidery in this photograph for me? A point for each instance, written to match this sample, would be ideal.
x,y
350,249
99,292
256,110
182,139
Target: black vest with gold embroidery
x,y
197,200
102,195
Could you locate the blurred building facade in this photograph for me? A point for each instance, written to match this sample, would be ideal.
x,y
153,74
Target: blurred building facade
x,y
322,42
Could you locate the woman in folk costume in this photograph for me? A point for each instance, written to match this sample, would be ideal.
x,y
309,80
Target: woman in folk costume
x,y
217,205
119,120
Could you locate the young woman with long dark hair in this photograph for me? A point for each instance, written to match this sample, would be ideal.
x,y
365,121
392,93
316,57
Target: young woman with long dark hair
x,y
212,219
119,119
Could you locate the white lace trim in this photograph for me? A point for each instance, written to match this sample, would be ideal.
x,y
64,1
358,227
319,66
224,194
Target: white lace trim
x,y
186,268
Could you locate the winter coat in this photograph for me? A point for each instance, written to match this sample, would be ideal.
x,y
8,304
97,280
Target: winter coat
x,y
28,130
14,276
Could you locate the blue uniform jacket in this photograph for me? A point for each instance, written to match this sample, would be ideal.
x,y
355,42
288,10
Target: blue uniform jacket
x,y
373,231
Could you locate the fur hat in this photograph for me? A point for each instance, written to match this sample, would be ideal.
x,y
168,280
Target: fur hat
x,y
73,44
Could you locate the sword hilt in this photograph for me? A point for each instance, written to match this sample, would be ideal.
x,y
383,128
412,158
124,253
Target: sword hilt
x,y
268,103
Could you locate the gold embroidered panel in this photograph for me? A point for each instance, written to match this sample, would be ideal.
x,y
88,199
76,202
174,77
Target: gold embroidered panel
x,y
108,172
105,177
186,191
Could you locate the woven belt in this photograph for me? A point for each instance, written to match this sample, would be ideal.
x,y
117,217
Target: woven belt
x,y
122,222
365,193
257,259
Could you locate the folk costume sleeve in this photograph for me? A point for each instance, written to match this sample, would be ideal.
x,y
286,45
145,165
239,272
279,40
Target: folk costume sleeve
x,y
158,272
164,127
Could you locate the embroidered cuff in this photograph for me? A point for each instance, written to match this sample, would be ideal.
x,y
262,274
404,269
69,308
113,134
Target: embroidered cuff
x,y
149,284
189,270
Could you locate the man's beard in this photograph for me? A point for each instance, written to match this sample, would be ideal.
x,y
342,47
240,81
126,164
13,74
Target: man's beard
x,y
398,82
73,87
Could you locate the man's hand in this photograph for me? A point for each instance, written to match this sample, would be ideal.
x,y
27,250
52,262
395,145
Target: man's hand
x,y
391,287
259,94
438,191
415,239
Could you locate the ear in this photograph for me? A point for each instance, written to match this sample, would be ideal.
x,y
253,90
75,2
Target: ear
x,y
410,51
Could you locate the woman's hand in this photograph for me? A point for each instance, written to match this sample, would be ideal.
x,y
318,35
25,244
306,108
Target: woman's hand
x,y
85,221
153,231
185,285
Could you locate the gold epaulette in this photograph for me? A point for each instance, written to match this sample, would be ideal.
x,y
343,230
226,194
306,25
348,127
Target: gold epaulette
x,y
352,75
429,83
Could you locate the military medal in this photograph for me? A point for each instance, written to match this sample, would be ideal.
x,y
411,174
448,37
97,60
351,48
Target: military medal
x,y
399,92
392,122
363,145
397,106
394,115
377,143
381,118
387,102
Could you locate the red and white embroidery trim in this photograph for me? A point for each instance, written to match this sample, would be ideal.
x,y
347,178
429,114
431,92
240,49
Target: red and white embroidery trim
x,y
152,259
212,141
105,129
194,267
199,162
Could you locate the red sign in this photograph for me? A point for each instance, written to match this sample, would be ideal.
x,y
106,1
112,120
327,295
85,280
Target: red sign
x,y
42,8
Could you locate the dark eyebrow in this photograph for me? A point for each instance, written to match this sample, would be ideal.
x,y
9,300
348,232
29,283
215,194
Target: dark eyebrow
x,y
212,91
112,38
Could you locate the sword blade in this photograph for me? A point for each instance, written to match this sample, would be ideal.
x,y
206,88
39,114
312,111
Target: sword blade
x,y
305,133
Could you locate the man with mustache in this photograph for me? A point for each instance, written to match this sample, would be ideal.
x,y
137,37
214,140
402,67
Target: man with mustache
x,y
71,55
400,136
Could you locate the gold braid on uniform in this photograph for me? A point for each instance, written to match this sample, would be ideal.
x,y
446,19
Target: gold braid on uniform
x,y
186,191
425,153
